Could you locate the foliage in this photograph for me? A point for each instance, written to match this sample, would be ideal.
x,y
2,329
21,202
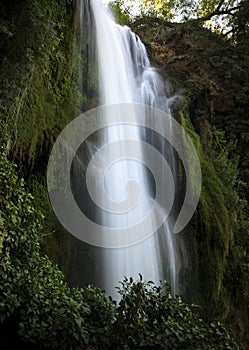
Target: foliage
x,y
149,317
221,16
39,95
19,226
39,91
211,73
157,8
51,315
121,11
240,24
32,289
221,225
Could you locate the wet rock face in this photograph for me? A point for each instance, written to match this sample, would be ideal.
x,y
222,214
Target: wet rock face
x,y
211,76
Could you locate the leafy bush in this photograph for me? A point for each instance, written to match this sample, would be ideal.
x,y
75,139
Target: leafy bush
x,y
149,317
32,288
52,315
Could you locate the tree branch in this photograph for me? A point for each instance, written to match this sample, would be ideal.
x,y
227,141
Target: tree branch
x,y
219,5
218,13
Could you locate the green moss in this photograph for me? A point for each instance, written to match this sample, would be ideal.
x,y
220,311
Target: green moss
x,y
39,74
212,226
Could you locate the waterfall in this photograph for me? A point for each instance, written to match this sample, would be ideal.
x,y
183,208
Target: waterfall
x,y
125,75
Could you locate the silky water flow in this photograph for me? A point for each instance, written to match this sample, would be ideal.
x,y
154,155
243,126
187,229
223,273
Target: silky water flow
x,y
125,75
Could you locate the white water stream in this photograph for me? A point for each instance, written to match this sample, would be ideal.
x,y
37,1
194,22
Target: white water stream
x,y
125,75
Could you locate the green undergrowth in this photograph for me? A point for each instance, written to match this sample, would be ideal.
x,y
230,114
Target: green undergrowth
x,y
48,314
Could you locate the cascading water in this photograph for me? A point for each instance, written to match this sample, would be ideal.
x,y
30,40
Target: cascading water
x,y
126,76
